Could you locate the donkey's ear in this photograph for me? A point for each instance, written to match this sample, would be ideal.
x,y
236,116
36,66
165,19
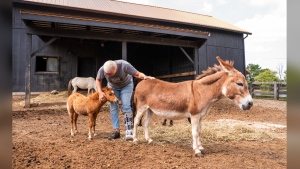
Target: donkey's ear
x,y
225,65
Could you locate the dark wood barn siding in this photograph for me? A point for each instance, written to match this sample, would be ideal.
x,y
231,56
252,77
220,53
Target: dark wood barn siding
x,y
155,60
229,46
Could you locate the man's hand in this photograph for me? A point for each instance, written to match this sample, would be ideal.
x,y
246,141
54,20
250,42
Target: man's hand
x,y
148,77
102,96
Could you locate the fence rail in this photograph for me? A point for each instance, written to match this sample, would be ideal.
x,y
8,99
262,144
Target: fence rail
x,y
275,90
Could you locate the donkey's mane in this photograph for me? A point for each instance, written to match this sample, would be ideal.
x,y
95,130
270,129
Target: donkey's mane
x,y
212,70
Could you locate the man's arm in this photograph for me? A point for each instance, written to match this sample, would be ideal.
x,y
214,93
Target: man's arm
x,y
101,94
141,75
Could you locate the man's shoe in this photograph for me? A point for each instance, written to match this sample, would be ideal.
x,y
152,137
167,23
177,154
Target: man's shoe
x,y
128,137
115,135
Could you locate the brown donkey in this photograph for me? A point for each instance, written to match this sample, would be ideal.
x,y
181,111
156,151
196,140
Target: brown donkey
x,y
79,104
190,98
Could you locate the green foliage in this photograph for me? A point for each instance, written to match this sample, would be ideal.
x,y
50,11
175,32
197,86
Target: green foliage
x,y
285,76
254,69
267,75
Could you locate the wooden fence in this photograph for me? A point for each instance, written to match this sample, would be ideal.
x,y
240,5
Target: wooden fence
x,y
275,90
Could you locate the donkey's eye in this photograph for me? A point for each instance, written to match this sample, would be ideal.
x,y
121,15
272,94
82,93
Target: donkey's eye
x,y
240,84
110,94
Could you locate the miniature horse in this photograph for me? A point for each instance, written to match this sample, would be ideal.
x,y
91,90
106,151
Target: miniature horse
x,y
82,83
191,98
79,104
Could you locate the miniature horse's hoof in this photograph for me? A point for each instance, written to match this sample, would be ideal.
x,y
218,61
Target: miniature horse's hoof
x,y
150,141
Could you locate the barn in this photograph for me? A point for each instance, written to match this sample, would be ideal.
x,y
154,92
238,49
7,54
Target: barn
x,y
55,41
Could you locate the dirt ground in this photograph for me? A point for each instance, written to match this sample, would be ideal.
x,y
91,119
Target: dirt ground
x,y
41,139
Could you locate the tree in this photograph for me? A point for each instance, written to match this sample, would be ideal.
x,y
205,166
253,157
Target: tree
x,y
267,75
255,69
280,71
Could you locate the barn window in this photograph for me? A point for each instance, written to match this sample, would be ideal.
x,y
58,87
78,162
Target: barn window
x,y
47,64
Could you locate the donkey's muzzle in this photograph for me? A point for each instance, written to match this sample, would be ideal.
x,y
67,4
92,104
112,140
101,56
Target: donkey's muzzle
x,y
247,106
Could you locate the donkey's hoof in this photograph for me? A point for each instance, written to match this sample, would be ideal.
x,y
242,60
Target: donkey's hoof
x,y
150,141
198,154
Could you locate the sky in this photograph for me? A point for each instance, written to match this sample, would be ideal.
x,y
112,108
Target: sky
x,y
265,19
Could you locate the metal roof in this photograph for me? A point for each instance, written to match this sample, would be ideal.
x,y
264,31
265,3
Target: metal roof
x,y
141,11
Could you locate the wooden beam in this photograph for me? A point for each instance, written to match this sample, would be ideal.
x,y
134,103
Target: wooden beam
x,y
176,75
124,50
100,23
187,55
110,36
196,61
44,46
27,70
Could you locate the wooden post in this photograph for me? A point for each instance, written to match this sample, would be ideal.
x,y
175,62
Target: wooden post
x,y
28,70
196,62
251,89
276,91
124,50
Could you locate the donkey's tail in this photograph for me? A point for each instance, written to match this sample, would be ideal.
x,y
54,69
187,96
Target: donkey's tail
x,y
132,102
70,87
133,106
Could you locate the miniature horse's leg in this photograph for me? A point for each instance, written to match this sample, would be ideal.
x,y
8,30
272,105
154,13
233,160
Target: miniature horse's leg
x,y
149,114
91,124
75,89
71,121
75,122
94,124
71,115
171,122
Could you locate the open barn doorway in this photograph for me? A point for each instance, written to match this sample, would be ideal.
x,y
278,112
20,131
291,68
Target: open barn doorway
x,y
160,60
86,67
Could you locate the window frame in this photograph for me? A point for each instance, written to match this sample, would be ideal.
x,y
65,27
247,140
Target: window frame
x,y
47,72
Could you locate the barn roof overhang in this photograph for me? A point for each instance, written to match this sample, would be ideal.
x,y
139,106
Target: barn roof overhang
x,y
78,26
119,8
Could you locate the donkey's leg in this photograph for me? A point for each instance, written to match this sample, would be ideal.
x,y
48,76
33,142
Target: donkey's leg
x,y
171,122
139,115
198,140
165,122
195,125
149,114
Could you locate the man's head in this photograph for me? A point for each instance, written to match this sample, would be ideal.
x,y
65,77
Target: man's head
x,y
110,68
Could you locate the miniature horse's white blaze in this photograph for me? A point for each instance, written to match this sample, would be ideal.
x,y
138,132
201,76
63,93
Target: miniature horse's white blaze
x,y
190,98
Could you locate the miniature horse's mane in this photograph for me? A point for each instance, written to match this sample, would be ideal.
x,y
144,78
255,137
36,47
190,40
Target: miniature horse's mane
x,y
94,96
212,70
